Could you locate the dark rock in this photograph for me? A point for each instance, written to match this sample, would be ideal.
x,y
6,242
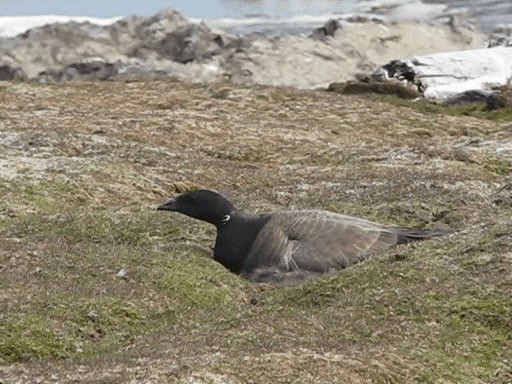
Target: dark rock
x,y
373,86
394,69
366,19
497,98
138,73
93,70
58,52
327,30
499,41
85,71
8,72
500,98
190,43
495,101
469,97
242,43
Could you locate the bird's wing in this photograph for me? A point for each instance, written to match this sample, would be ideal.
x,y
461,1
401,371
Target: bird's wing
x,y
317,241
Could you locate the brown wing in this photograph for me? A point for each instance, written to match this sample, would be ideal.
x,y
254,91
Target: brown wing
x,y
316,241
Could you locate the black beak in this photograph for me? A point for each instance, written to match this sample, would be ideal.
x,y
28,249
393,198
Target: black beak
x,y
168,206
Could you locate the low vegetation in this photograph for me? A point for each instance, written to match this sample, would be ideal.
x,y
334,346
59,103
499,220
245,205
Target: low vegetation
x,y
98,287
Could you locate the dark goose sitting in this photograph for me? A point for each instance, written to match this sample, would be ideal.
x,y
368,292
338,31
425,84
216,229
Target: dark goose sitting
x,y
289,246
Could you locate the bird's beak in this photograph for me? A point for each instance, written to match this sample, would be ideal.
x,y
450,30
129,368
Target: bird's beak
x,y
168,206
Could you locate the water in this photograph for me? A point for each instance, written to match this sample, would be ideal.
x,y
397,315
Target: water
x,y
207,9
488,13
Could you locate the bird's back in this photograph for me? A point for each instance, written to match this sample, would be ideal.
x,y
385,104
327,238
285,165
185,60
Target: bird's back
x,y
317,241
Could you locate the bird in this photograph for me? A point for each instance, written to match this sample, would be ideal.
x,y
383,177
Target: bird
x,y
289,246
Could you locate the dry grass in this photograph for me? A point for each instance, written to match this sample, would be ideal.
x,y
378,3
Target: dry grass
x,y
96,287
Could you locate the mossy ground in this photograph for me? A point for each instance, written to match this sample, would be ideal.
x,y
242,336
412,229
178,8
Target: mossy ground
x,y
98,287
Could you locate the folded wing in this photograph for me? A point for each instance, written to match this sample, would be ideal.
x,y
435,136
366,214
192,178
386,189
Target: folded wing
x,y
316,241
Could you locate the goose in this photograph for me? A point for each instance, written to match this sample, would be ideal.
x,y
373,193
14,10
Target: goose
x,y
291,245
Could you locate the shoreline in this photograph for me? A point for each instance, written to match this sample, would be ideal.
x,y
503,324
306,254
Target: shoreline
x,y
168,44
486,15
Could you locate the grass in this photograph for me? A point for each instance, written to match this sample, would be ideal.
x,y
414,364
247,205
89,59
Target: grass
x,y
96,286
498,166
478,110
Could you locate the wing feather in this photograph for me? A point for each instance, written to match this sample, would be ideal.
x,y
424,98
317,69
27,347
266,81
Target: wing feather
x,y
317,241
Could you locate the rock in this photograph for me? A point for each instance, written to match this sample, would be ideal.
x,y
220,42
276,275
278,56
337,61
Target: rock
x,y
395,69
123,274
52,47
8,72
327,30
304,62
157,26
189,43
168,44
132,32
61,49
374,86
500,98
499,41
137,71
167,35
469,97
243,43
89,70
458,76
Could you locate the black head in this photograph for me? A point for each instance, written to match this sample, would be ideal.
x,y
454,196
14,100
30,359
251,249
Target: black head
x,y
203,205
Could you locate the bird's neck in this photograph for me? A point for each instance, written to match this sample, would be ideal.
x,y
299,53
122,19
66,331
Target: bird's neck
x,y
235,238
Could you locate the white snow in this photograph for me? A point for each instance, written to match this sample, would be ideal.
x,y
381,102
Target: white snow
x,y
446,74
403,10
11,26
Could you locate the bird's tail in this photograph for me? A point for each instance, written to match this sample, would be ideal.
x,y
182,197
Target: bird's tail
x,y
407,235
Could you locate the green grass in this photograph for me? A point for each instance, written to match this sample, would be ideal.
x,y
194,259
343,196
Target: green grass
x,y
87,311
32,337
97,286
478,110
498,166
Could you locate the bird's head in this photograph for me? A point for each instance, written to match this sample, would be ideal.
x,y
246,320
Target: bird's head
x,y
203,205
